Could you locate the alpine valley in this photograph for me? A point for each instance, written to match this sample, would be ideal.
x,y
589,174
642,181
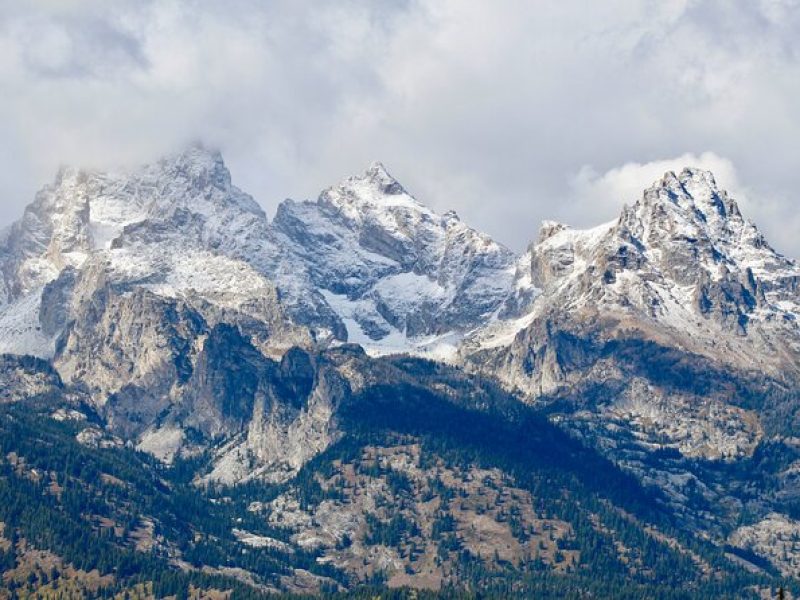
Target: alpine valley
x,y
361,397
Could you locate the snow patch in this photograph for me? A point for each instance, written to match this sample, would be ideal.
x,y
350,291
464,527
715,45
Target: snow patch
x,y
20,330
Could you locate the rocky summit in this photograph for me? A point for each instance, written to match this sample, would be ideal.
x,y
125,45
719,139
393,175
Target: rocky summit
x,y
362,393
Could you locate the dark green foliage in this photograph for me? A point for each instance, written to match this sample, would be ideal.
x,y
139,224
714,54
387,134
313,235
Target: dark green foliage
x,y
390,533
66,524
444,523
467,422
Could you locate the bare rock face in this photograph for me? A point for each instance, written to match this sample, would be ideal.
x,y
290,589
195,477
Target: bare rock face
x,y
54,313
219,394
667,339
162,376
292,421
129,350
24,377
394,271
681,268
177,228
119,340
269,418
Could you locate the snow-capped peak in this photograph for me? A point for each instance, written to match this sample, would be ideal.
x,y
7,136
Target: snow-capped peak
x,y
695,191
396,272
197,164
378,174
690,226
195,179
550,228
681,266
374,192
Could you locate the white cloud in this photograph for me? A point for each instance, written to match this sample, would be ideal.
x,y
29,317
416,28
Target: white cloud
x,y
490,108
598,197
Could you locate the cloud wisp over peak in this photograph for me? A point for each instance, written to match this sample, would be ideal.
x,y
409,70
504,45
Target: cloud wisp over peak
x,y
508,112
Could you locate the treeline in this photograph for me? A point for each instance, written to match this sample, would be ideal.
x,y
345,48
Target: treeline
x,y
54,495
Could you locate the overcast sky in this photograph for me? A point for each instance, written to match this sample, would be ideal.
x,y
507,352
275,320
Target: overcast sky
x,y
509,112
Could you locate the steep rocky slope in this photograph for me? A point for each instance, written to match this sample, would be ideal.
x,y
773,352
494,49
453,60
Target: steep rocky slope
x,y
400,276
669,340
124,281
435,479
177,228
366,262
170,316
681,268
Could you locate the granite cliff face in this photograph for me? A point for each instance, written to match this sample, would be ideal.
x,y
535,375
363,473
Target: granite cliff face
x,y
177,228
400,276
668,339
121,279
135,285
680,270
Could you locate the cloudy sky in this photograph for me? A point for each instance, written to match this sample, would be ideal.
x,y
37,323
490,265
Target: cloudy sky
x,y
508,111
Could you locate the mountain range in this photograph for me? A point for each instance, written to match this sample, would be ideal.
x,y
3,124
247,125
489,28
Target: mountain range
x,y
362,391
